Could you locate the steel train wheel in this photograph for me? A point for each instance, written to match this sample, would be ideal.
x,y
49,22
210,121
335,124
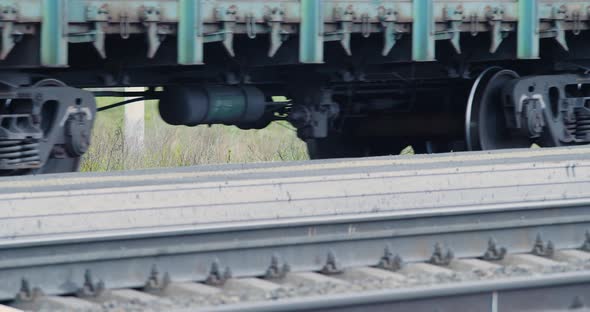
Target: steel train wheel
x,y
485,124
53,164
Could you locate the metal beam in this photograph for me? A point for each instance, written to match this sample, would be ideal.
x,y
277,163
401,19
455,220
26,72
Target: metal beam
x,y
124,260
528,29
190,33
311,39
423,41
54,43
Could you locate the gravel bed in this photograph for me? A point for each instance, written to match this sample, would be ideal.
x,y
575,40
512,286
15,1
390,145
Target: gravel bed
x,y
172,303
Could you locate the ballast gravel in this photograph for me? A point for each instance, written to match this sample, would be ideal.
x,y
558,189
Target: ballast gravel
x,y
299,290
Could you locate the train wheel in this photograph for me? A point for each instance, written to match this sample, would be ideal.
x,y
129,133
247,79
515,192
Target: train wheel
x,y
46,128
485,126
56,163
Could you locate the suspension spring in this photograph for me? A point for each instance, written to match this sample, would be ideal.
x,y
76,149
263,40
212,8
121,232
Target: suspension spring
x,y
571,126
19,154
583,125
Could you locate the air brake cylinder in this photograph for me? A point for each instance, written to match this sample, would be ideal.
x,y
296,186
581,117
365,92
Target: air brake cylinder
x,y
199,105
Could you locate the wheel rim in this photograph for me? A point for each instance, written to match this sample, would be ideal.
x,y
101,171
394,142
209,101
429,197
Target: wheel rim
x,y
485,122
57,165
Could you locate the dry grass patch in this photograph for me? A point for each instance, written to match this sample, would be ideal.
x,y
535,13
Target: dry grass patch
x,y
167,146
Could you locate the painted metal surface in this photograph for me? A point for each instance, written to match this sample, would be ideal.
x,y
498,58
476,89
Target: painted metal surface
x,y
54,49
190,37
195,22
528,29
311,44
423,31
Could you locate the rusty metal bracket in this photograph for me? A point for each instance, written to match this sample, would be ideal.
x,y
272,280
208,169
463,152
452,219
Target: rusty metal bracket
x,y
473,22
388,18
495,18
26,293
331,267
454,19
558,15
90,289
493,253
577,22
8,16
586,245
441,258
542,250
101,17
389,261
217,276
275,18
226,35
151,17
276,270
155,283
365,25
251,26
124,25
346,20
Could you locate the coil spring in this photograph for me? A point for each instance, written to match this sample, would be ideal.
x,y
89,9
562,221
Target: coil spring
x,y
571,126
19,153
583,125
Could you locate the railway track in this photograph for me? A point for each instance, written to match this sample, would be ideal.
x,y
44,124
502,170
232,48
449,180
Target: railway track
x,y
481,231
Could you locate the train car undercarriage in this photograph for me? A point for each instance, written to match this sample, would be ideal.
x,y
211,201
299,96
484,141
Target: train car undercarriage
x,y
500,110
46,127
363,78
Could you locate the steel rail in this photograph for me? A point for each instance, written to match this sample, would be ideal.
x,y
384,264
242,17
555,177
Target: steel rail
x,y
455,296
175,231
353,212
305,247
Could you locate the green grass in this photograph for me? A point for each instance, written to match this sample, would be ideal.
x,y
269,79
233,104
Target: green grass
x,y
169,146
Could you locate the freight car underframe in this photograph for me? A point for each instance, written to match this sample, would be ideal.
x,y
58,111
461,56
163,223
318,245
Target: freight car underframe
x,y
360,75
45,125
